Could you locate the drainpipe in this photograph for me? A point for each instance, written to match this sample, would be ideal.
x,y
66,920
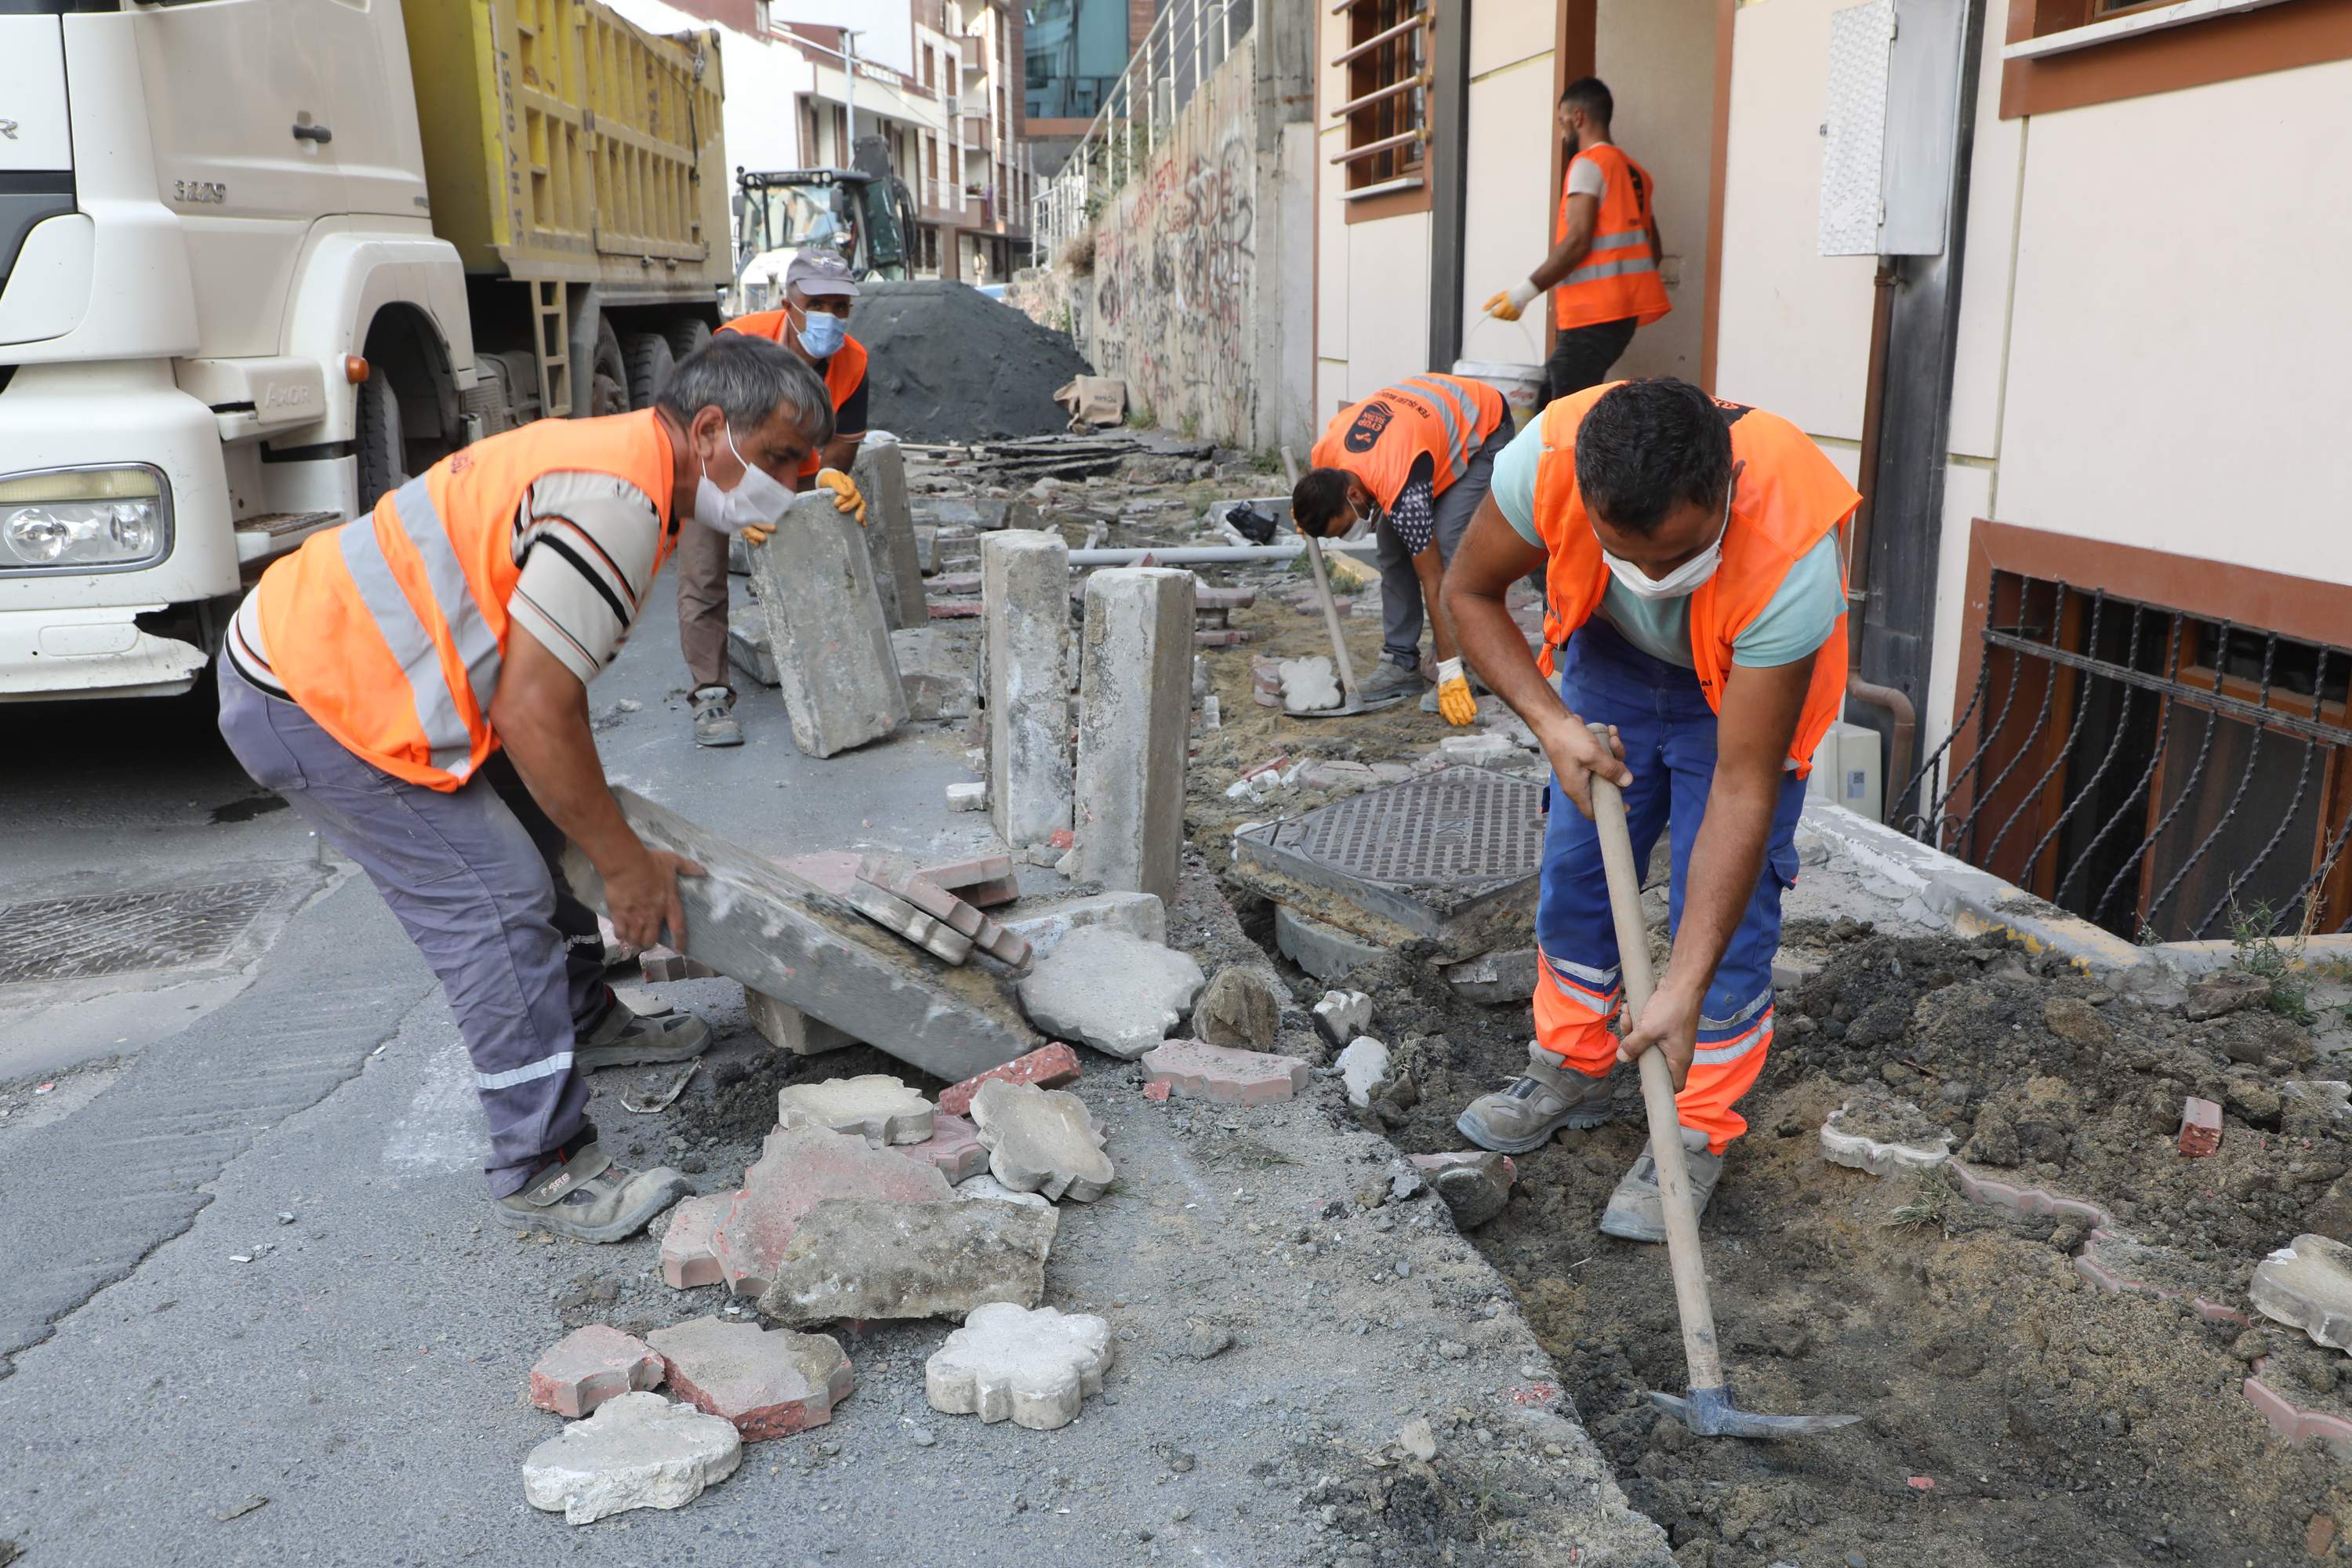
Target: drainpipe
x,y
1903,719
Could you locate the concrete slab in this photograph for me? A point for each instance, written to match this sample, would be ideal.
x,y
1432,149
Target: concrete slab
x,y
1033,1368
747,645
1323,950
880,474
935,670
1044,926
1025,590
638,1451
777,935
1135,713
827,630
858,1259
1117,993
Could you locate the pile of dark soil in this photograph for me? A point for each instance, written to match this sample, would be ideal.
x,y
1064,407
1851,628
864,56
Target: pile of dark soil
x,y
2013,1415
948,364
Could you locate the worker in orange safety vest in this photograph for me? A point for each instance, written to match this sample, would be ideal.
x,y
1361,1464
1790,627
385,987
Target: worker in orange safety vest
x,y
415,684
1695,579
1603,267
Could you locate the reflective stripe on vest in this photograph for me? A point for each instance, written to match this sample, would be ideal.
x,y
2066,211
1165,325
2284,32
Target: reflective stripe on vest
x,y
404,633
1457,431
1617,269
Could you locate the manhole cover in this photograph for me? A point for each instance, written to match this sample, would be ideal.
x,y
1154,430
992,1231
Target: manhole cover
x,y
1420,852
115,933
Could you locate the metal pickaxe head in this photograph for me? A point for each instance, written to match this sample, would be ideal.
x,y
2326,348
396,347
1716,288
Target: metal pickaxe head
x,y
1711,1412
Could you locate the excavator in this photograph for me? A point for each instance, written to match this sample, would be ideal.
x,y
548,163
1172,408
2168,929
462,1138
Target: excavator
x,y
862,214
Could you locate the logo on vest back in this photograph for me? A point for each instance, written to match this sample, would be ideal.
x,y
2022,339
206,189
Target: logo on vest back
x,y
1371,421
1733,413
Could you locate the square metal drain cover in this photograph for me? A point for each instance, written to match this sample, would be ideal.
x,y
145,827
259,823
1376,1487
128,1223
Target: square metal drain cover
x,y
1421,853
116,933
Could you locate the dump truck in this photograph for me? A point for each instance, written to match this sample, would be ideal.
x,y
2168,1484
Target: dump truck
x,y
260,260
863,214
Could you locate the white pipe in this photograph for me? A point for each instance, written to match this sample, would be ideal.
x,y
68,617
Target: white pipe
x,y
1212,555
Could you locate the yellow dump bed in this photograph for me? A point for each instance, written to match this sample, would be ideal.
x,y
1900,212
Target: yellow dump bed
x,y
563,144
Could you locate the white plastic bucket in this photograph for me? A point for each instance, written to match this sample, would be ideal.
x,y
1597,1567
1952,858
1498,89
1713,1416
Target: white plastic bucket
x,y
1521,384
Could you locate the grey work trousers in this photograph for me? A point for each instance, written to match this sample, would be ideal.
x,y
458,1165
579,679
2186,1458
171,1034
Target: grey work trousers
x,y
1401,607
702,557
472,876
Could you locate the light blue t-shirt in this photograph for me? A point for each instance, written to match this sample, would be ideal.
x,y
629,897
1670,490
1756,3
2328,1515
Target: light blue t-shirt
x,y
1799,618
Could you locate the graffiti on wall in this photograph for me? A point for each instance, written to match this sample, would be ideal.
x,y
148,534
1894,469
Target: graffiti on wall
x,y
1175,269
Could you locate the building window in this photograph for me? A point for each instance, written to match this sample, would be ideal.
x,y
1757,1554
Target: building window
x,y
1072,51
1385,70
2068,54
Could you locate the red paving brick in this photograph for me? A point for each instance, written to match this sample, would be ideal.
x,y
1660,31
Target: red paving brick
x,y
953,1148
798,1169
1156,1092
591,1366
1050,1068
686,1256
769,1383
1223,1074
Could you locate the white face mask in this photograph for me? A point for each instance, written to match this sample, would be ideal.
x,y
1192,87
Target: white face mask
x,y
758,500
1684,579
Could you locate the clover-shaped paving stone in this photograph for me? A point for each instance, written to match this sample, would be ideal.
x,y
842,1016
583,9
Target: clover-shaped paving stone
x,y
1042,1141
881,1108
1031,1366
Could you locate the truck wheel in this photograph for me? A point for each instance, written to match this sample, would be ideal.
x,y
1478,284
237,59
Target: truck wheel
x,y
650,363
686,336
610,390
378,436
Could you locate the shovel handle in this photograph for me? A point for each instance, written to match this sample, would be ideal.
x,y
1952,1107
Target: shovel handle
x,y
1323,591
1699,1347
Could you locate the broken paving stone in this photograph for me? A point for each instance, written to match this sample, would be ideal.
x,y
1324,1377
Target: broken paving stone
x,y
1049,1068
660,963
797,1169
688,1258
1224,1074
967,797
983,881
860,1259
896,915
2308,1284
1363,1066
1495,978
1031,1366
1417,1439
1239,1007
590,1365
637,1451
2226,991
878,1107
769,1383
1115,992
1042,1141
953,1148
1308,684
1477,751
1876,1133
1045,927
986,1188
1475,1183
2201,1128
1341,1016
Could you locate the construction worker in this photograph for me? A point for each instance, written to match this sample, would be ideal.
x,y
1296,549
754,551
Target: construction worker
x,y
1603,265
818,289
414,683
1695,579
1416,456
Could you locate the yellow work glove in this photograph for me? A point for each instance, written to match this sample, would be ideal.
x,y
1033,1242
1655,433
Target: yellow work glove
x,y
1506,305
1453,699
755,535
845,492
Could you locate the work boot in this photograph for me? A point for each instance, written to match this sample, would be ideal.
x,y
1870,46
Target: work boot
x,y
1389,680
1636,1210
1523,1116
580,1193
623,1039
714,718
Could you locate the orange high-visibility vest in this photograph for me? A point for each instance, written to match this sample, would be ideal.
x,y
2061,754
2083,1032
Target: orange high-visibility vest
x,y
1618,276
390,631
1446,416
842,371
1789,496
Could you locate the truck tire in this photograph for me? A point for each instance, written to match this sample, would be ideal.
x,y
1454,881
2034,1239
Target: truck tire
x,y
377,434
687,335
609,393
650,363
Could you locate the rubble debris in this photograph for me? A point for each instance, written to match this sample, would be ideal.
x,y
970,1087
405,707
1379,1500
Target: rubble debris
x,y
1240,1007
616,952
875,1106
814,578
1033,1368
778,935
1134,718
1475,1183
1050,1068
2226,991
788,1028
1308,684
1229,1075
860,1259
1363,1066
1042,1141
1875,1131
2200,1127
767,1383
1341,1016
2308,1284
1482,751
637,1451
1417,1438
660,965
590,1365
1115,992
1143,915
963,367
798,1168
935,671
986,1188
953,1148
1494,979
688,1248
967,797
1026,578
1206,1342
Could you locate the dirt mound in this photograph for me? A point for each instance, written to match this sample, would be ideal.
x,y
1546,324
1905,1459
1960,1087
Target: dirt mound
x,y
951,365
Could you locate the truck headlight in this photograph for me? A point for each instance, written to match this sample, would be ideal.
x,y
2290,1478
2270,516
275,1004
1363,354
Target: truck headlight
x,y
80,519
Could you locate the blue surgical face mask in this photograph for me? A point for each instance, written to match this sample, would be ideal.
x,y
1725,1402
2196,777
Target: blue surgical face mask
x,y
821,333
